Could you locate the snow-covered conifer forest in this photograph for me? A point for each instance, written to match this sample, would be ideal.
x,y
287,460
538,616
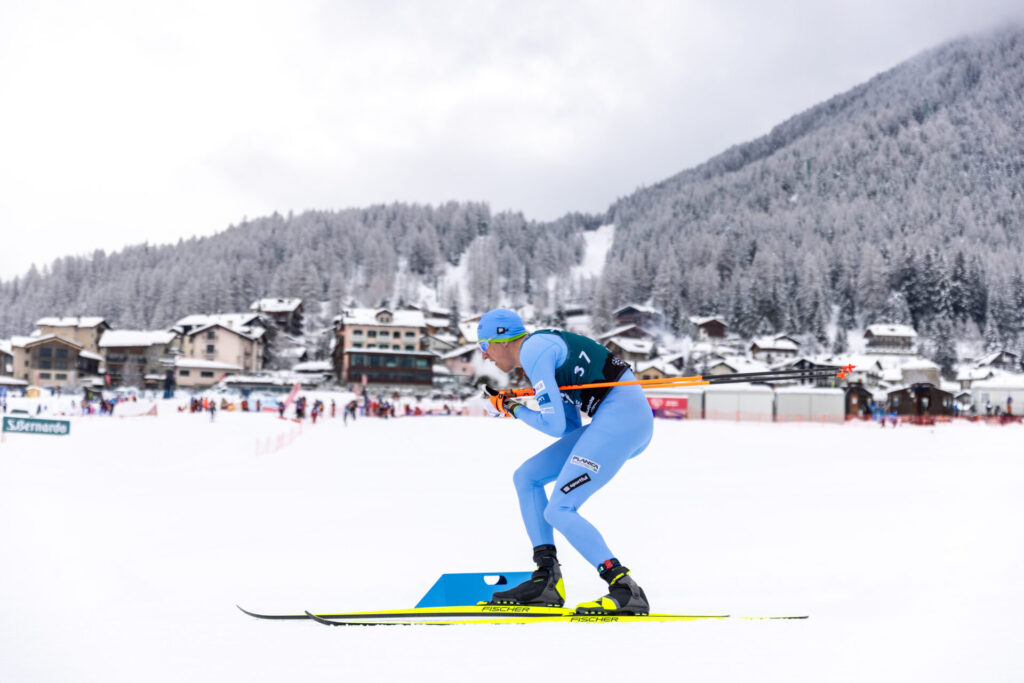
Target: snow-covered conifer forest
x,y
901,200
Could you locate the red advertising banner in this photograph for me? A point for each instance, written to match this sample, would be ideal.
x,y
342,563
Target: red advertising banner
x,y
668,406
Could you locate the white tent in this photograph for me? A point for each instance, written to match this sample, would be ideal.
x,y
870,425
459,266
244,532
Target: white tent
x,y
997,390
809,404
740,402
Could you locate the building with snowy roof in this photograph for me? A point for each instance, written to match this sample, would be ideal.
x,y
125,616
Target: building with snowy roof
x,y
676,360
231,346
467,332
242,339
315,369
966,375
52,361
891,375
287,314
709,327
920,400
573,309
631,330
131,355
436,325
7,382
732,365
86,331
200,373
656,368
441,342
884,338
810,365
859,400
635,314
369,329
631,350
278,305
381,318
244,322
867,369
463,362
1005,392
773,349
1000,360
919,371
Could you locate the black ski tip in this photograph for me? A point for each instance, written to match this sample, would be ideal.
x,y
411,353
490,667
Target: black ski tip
x,y
271,616
251,614
321,620
317,619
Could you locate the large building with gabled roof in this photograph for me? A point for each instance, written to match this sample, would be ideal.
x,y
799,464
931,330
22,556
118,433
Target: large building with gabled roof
x,y
365,331
217,342
86,331
240,339
52,361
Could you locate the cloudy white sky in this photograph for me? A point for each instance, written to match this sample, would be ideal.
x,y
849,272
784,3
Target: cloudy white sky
x,y
123,121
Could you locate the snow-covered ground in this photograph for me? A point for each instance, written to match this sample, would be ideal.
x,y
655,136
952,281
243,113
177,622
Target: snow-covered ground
x,y
597,242
125,546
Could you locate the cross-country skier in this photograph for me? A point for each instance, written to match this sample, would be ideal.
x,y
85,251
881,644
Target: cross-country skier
x,y
583,459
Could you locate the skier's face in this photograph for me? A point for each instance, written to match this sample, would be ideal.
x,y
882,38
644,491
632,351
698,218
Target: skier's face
x,y
503,354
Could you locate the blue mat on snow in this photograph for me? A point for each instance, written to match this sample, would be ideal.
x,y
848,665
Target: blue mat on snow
x,y
469,589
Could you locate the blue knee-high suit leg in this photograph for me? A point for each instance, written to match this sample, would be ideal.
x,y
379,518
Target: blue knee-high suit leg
x,y
584,458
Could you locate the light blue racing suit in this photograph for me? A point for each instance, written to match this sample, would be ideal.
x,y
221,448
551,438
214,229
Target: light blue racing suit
x,y
584,458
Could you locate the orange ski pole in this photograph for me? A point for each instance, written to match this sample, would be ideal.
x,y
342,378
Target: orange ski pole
x,y
699,380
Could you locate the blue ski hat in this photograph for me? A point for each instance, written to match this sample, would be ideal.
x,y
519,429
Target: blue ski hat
x,y
499,325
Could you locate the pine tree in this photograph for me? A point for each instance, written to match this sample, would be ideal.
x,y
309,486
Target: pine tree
x,y
958,288
667,292
741,314
1016,296
944,345
819,319
977,293
992,335
896,310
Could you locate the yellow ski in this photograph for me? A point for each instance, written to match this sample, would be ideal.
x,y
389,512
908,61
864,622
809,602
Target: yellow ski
x,y
504,611
511,619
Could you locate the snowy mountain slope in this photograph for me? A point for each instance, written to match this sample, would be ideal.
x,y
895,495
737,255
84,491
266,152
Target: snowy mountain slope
x,y
894,201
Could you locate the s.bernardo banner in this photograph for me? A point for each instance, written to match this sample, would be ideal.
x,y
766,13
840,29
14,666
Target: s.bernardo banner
x,y
31,425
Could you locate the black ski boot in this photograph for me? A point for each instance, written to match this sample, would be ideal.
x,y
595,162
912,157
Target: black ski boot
x,y
625,597
544,588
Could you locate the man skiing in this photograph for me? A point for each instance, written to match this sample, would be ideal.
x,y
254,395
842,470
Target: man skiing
x,y
583,459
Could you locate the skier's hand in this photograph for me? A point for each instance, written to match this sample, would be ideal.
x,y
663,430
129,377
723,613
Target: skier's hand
x,y
502,401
